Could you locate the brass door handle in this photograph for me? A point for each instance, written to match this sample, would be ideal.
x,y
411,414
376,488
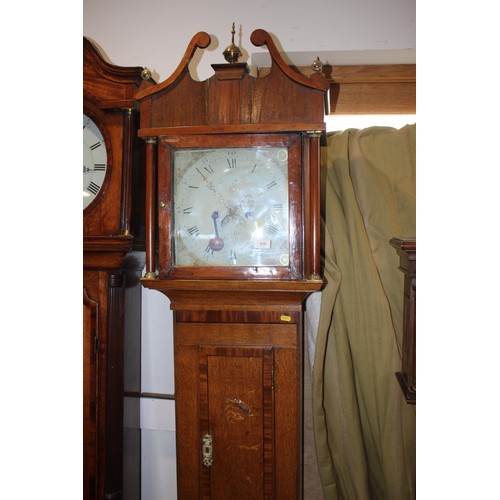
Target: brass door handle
x,y
206,450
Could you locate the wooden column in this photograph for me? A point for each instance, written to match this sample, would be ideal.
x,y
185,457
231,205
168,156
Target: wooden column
x,y
312,215
150,207
128,143
114,387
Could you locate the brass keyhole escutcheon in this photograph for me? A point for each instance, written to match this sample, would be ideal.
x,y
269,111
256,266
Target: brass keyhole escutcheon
x,y
206,450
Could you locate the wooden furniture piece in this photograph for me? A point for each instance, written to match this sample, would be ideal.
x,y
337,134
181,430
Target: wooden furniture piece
x,y
112,261
370,89
407,251
232,195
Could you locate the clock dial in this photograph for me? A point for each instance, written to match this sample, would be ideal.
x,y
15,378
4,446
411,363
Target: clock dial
x,y
231,207
95,160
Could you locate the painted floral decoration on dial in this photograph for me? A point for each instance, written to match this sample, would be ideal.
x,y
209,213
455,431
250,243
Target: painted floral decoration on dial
x,y
231,206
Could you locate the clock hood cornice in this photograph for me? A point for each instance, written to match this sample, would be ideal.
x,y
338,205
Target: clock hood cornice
x,y
122,81
232,98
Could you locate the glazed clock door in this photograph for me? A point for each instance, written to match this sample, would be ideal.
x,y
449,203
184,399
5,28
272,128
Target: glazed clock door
x,y
233,202
237,418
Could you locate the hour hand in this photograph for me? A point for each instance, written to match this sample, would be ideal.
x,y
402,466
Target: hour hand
x,y
216,243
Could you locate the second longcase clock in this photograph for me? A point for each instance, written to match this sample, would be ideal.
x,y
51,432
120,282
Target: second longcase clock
x,y
113,258
232,238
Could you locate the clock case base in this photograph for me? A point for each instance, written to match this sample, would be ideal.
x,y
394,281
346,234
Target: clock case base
x,y
238,349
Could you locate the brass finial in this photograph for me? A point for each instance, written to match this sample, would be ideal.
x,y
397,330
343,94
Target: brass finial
x,y
232,52
317,65
146,74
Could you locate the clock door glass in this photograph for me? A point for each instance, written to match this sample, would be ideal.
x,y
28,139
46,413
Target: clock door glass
x,y
95,160
231,207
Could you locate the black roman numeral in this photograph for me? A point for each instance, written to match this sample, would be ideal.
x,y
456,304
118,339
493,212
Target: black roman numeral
x,y
188,210
95,146
194,231
93,188
231,162
271,184
99,167
272,230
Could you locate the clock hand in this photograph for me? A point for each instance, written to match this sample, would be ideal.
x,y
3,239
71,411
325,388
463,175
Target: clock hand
x,y
216,243
211,186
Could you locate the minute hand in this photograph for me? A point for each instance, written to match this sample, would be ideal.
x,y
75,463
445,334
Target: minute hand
x,y
211,186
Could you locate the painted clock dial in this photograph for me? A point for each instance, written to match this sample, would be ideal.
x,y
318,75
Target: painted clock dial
x,y
95,160
231,207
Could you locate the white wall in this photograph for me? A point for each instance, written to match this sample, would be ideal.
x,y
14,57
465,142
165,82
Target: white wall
x,y
155,34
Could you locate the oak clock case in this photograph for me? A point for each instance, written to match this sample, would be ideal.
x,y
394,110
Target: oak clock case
x,y
232,232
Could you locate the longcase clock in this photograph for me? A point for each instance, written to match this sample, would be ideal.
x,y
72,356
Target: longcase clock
x,y
113,229
232,238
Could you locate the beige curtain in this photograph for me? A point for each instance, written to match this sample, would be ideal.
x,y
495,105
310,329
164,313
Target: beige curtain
x,y
364,429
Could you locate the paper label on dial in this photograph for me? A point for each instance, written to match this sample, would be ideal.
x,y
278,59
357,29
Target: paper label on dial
x,y
262,243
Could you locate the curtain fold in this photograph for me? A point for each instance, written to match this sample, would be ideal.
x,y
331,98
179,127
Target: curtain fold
x,y
364,429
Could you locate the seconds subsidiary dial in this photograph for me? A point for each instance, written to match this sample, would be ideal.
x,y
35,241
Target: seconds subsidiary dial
x,y
231,207
95,160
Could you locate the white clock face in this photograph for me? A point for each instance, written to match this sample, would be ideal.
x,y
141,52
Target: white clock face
x,y
231,207
95,160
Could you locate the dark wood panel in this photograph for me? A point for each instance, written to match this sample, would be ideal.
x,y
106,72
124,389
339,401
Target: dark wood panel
x,y
110,85
407,377
238,316
114,385
90,333
187,427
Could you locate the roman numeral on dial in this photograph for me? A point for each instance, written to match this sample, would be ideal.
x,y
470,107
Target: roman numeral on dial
x,y
93,188
272,230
